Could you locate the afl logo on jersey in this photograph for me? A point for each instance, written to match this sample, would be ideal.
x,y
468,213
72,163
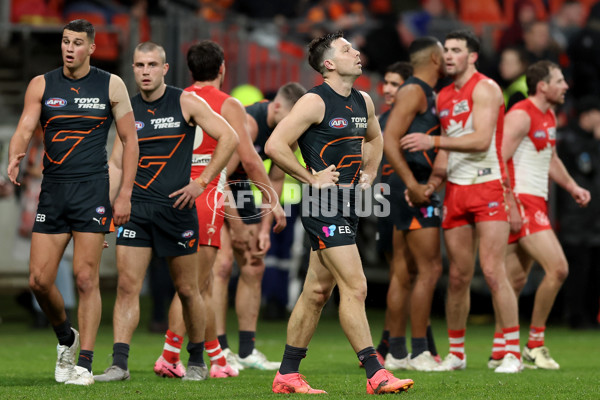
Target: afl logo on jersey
x,y
338,123
539,134
100,210
187,234
138,125
56,102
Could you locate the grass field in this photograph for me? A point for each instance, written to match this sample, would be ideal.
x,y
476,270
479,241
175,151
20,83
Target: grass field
x,y
27,360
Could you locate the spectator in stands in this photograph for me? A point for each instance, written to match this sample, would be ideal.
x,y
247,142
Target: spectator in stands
x,y
512,67
538,43
524,14
584,50
434,19
391,31
579,228
567,22
334,15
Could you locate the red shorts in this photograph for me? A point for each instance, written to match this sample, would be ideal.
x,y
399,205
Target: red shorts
x,y
209,206
534,214
469,204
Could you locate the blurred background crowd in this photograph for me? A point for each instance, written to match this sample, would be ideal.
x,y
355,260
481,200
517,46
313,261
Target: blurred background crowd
x,y
264,43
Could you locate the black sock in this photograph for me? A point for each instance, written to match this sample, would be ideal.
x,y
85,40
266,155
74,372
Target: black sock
x,y
419,345
223,341
85,359
196,356
246,343
384,343
291,359
398,347
368,358
64,333
431,342
120,355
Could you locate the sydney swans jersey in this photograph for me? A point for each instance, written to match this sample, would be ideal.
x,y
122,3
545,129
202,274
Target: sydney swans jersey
x,y
455,109
530,165
76,116
165,140
259,112
421,163
204,144
338,138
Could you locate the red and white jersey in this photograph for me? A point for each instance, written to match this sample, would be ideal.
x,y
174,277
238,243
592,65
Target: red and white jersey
x,y
204,145
530,165
455,107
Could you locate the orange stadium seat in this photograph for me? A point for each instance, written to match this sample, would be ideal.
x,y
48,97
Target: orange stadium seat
x,y
123,21
480,11
107,43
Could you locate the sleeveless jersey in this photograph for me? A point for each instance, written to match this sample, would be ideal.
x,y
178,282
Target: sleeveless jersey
x,y
76,117
165,141
338,138
530,165
421,163
259,112
204,145
455,112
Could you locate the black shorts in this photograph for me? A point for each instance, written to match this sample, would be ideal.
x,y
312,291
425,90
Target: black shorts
x,y
326,232
74,206
244,200
407,218
168,231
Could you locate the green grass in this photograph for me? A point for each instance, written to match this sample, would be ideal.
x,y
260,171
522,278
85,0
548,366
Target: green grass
x,y
27,360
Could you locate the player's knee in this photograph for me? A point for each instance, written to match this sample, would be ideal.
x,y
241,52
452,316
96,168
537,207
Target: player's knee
x,y
38,285
319,296
458,281
224,268
252,272
86,281
561,271
128,285
518,282
186,290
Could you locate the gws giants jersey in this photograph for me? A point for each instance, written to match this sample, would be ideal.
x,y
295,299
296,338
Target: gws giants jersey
x,y
530,165
338,138
76,116
165,140
455,109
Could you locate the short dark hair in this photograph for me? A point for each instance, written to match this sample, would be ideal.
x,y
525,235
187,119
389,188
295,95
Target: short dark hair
x,y
402,68
317,49
81,25
538,72
204,60
420,44
291,92
468,36
146,47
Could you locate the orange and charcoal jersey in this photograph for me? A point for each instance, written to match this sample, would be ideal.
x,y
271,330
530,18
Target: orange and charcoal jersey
x,y
165,141
76,116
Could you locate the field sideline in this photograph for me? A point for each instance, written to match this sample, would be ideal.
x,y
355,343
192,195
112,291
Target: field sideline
x,y
27,360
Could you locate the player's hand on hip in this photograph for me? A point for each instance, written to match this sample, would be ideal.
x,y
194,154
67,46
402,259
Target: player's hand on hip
x,y
121,210
13,168
582,196
187,195
326,177
416,142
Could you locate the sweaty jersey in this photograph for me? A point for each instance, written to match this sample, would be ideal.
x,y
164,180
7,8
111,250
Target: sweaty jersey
x,y
258,111
421,163
455,107
76,116
338,138
165,140
530,165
